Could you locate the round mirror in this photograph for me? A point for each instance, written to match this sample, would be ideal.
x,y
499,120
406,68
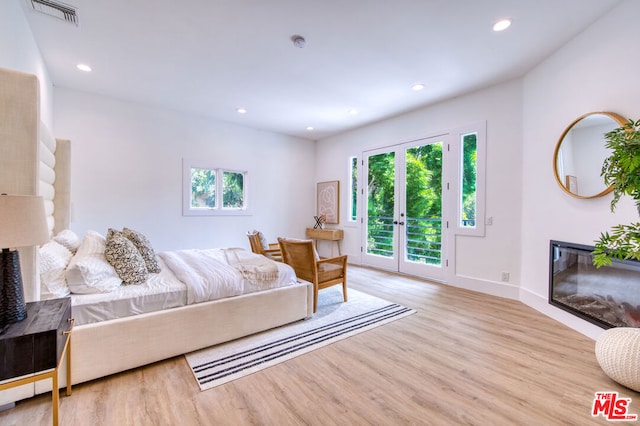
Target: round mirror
x,y
580,154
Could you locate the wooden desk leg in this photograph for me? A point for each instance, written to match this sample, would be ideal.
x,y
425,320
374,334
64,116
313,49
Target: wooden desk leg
x,y
55,397
69,367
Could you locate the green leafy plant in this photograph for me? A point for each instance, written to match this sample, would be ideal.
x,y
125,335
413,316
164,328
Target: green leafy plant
x,y
622,171
623,243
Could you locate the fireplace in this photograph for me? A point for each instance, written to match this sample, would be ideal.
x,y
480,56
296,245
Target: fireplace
x,y
608,297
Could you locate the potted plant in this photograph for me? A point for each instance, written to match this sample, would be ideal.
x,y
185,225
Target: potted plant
x,y
621,170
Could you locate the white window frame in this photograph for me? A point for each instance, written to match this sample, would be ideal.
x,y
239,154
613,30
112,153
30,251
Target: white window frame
x,y
218,210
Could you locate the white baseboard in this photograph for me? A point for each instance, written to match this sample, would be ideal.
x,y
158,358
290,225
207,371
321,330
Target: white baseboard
x,y
494,288
7,406
541,304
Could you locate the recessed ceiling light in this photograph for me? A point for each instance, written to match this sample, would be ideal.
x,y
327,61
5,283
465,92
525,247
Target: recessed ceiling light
x,y
353,111
502,25
84,67
241,110
309,128
417,87
298,41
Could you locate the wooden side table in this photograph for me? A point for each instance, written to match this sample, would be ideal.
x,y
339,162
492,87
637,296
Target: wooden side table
x,y
332,235
33,349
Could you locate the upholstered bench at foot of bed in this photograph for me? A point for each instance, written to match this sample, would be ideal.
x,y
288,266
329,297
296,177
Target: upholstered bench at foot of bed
x,y
618,353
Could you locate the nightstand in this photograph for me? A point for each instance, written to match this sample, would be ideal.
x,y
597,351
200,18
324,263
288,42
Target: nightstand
x,y
32,349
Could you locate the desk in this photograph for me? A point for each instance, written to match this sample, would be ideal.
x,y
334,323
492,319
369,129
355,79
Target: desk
x,y
332,235
32,349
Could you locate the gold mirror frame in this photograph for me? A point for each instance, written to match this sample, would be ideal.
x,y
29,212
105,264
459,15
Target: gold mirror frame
x,y
565,185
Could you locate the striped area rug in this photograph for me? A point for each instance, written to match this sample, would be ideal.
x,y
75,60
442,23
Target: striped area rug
x,y
334,320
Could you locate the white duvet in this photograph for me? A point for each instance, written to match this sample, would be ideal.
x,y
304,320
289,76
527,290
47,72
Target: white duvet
x,y
187,276
218,273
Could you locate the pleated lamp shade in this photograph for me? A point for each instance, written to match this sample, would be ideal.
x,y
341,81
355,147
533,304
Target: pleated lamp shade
x,y
23,223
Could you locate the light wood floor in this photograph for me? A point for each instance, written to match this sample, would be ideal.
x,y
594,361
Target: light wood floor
x,y
464,358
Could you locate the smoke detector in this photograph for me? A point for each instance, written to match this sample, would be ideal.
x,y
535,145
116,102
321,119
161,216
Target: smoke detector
x,y
298,41
56,9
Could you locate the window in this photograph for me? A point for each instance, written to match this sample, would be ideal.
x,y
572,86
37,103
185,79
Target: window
x,y
232,190
203,188
353,189
470,150
213,191
468,178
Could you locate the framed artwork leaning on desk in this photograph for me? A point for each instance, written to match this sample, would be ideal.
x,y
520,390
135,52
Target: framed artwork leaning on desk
x,y
328,203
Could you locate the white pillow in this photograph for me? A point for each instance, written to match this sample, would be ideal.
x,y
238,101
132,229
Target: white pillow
x,y
69,239
54,258
88,271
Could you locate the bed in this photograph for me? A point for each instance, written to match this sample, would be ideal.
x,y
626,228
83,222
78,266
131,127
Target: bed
x,y
33,163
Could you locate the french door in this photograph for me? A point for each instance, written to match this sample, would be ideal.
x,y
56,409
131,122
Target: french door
x,y
405,208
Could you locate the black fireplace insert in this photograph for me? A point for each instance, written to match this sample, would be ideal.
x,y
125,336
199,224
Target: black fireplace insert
x,y
608,297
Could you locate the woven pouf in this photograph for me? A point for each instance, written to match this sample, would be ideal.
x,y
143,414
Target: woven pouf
x,y
618,353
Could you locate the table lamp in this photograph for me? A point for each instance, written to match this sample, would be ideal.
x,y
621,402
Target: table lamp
x,y
22,223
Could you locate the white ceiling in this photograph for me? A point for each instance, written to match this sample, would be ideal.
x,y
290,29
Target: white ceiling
x,y
208,57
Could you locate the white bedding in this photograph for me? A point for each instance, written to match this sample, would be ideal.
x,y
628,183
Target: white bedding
x,y
161,291
217,273
186,277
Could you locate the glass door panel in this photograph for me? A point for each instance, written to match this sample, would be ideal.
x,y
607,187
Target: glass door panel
x,y
381,239
422,212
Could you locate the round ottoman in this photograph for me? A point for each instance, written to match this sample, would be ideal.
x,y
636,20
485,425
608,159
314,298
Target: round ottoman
x,y
618,353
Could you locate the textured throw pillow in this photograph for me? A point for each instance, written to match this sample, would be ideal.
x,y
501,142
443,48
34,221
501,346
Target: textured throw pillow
x,y
88,271
144,247
54,258
125,258
69,239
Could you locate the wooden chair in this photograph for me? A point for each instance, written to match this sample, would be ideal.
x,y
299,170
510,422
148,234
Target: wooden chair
x,y
258,242
323,273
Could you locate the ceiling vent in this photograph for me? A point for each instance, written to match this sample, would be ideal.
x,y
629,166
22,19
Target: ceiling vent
x,y
56,9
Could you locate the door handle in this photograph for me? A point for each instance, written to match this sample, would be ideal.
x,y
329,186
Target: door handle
x,y
400,223
395,222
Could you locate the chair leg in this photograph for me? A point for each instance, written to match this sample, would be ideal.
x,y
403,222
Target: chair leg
x,y
315,298
344,289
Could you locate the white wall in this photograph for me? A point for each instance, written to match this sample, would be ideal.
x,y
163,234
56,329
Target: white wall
x,y
127,171
479,260
18,51
597,71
